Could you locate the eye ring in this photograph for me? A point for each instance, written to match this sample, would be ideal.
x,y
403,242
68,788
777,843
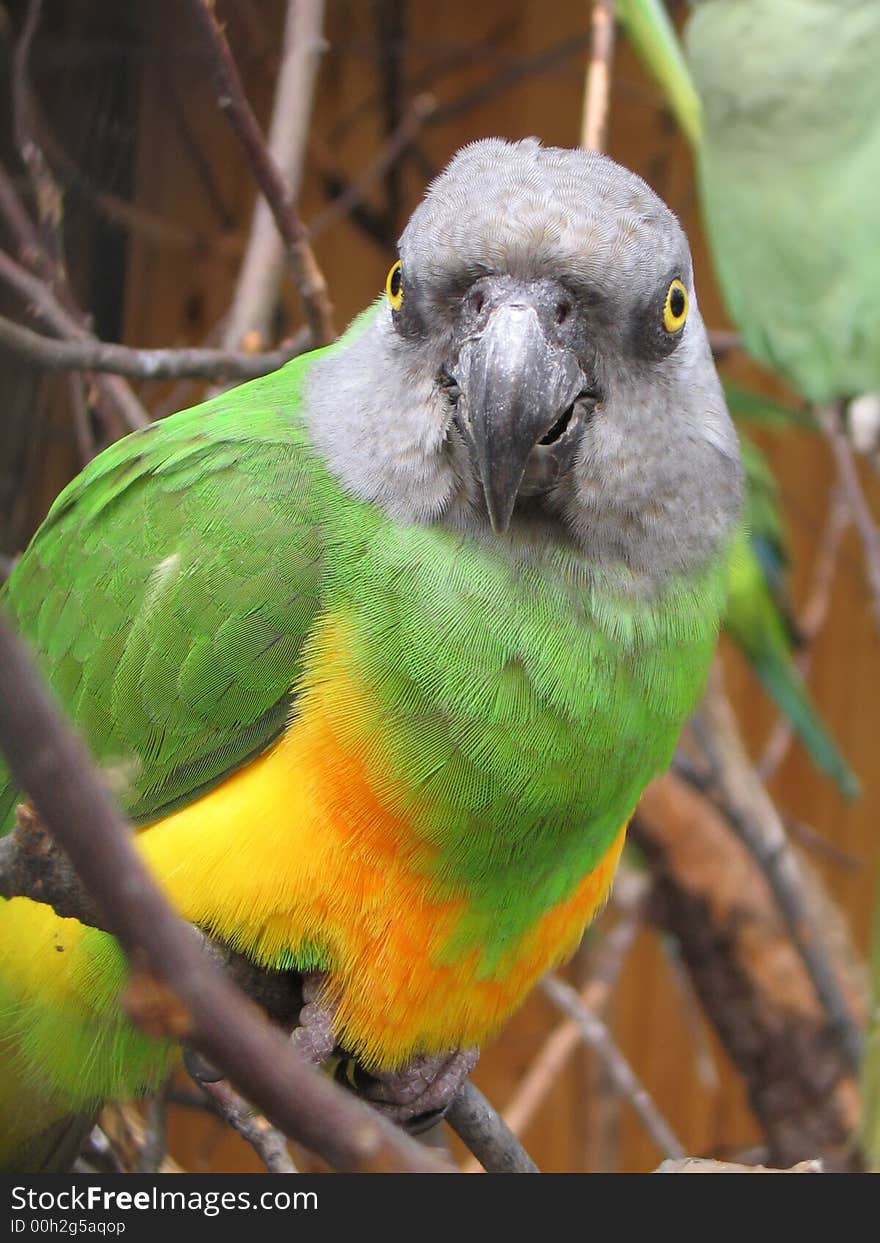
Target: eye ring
x,y
394,286
675,309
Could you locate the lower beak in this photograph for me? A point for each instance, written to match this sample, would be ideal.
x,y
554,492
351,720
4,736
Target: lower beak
x,y
515,386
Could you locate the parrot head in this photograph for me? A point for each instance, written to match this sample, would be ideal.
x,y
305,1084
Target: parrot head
x,y
539,358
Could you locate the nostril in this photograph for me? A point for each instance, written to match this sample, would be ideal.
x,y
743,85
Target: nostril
x,y
563,310
478,301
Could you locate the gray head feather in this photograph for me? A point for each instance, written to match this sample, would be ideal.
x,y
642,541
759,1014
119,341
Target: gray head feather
x,y
652,487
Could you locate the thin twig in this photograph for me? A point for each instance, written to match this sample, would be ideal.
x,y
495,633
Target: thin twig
x,y
307,276
693,1015
266,1140
50,205
536,63
133,217
751,813
714,900
391,150
600,1040
258,283
189,997
597,92
43,249
808,837
809,625
487,1134
830,419
122,1138
179,104
43,302
489,48
50,354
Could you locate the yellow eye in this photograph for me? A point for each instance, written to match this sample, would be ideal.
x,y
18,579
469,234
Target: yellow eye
x,y
675,312
394,286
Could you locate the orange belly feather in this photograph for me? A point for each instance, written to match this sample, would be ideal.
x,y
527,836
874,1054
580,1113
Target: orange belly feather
x,y
297,848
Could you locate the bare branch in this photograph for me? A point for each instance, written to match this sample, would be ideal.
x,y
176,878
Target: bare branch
x,y
43,302
594,124
42,249
50,354
487,1135
267,1142
32,866
752,814
307,275
192,999
595,1033
260,276
713,897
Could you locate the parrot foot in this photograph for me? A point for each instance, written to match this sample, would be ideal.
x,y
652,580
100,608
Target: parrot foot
x,y
419,1094
314,1037
416,1096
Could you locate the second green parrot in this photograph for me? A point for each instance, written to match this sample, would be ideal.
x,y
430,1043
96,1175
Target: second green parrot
x,y
789,169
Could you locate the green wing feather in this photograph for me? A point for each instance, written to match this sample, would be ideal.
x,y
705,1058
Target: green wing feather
x,y
759,620
190,553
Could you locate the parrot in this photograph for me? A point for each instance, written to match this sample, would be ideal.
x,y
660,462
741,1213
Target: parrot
x,y
788,166
382,648
788,163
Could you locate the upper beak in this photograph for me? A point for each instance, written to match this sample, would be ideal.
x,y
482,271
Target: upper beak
x,y
515,384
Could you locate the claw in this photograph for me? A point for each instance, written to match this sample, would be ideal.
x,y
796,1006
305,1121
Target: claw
x,y
416,1096
419,1094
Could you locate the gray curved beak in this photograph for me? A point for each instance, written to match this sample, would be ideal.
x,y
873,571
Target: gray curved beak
x,y
515,385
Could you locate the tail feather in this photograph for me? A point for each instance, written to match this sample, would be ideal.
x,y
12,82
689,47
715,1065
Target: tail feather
x,y
782,681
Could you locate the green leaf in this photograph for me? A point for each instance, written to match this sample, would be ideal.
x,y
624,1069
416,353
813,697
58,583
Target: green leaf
x,y
652,34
